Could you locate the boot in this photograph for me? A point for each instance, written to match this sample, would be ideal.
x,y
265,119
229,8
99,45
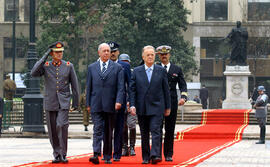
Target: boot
x,y
125,151
132,141
262,136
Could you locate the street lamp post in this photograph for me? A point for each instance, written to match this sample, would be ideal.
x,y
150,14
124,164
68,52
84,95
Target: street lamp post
x,y
33,100
13,39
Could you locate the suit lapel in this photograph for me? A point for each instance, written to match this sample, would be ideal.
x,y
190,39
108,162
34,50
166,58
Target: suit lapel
x,y
171,69
97,68
144,76
154,73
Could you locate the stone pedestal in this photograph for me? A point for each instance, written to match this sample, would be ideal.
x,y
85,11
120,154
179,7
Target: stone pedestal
x,y
236,88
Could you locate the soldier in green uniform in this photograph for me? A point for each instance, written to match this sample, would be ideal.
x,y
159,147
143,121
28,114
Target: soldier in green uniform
x,y
9,91
9,88
59,77
84,110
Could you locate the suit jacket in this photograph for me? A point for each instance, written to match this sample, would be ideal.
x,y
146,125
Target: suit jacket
x,y
104,90
150,98
203,93
176,76
57,81
127,76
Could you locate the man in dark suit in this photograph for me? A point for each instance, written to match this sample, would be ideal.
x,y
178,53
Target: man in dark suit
x,y
204,96
104,96
58,76
120,116
150,99
175,76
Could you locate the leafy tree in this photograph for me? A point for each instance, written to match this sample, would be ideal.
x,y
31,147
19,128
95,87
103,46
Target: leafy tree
x,y
137,23
69,21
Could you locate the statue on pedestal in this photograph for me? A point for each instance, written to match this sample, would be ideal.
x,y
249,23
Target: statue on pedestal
x,y
238,39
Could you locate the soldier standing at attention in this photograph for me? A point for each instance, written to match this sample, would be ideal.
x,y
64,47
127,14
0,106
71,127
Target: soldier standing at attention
x,y
9,88
175,76
83,108
261,112
58,76
9,91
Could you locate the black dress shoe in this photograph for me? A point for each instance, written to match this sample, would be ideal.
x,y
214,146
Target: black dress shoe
x,y
169,159
56,160
155,160
63,159
94,160
116,159
145,162
108,161
132,151
260,142
125,152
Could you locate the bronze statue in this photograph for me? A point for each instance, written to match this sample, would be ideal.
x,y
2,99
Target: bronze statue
x,y
238,40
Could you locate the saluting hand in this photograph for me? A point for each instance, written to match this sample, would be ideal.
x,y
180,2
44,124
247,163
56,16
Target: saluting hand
x,y
118,106
167,112
181,102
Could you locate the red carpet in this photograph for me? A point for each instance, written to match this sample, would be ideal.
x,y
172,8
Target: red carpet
x,y
218,130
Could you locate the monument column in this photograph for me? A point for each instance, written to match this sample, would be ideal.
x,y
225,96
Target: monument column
x,y
236,88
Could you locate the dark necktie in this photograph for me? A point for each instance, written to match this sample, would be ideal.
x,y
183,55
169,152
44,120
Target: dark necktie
x,y
103,68
165,68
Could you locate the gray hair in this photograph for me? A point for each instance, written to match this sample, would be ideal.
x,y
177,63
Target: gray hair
x,y
103,44
148,47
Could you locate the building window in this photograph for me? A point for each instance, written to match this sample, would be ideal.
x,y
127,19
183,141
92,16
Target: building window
x,y
216,10
21,47
258,10
26,10
9,10
213,47
258,47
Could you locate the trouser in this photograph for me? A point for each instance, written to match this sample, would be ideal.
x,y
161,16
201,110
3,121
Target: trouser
x,y
103,131
204,103
85,117
130,124
57,123
150,124
169,129
262,123
118,133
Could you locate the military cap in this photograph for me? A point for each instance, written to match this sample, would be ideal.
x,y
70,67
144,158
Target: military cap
x,y
261,88
57,46
124,57
113,45
164,49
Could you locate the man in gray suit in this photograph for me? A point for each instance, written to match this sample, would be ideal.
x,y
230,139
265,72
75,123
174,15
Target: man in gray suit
x,y
104,96
58,75
150,100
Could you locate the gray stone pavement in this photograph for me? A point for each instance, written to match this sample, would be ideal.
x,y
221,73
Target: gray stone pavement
x,y
16,151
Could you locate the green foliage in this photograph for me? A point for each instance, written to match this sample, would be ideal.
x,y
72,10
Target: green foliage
x,y
69,21
137,23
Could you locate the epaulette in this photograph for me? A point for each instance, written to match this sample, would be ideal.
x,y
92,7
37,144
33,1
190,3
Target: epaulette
x,y
68,63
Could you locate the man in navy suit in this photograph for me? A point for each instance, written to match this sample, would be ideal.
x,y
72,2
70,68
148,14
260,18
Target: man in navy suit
x,y
104,96
150,100
120,116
